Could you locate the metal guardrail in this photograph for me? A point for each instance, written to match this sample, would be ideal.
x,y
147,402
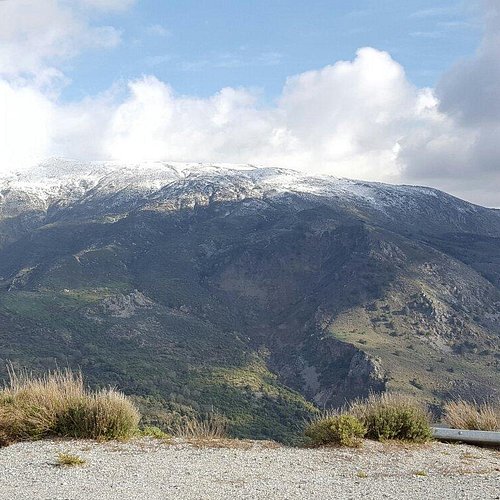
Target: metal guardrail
x,y
475,437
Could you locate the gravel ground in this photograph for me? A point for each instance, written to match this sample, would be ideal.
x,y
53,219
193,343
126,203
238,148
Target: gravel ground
x,y
153,469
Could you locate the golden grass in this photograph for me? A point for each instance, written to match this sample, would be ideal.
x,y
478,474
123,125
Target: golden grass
x,y
226,443
59,404
461,414
68,460
211,427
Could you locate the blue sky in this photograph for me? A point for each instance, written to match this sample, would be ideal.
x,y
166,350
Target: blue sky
x,y
382,90
201,46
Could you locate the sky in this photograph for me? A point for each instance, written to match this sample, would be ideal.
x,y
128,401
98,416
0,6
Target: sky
x,y
384,90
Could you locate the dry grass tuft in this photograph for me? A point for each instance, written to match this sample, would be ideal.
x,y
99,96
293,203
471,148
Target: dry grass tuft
x,y
421,473
461,414
59,404
212,427
68,460
225,443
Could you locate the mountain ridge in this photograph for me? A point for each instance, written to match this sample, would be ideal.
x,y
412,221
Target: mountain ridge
x,y
253,291
54,167
154,180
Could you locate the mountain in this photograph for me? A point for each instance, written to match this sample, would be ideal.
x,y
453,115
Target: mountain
x,y
260,293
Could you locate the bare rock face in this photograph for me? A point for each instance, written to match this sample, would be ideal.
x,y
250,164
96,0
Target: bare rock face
x,y
365,374
125,306
365,369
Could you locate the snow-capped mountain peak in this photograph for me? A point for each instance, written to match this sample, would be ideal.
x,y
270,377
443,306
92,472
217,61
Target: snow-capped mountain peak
x,y
113,187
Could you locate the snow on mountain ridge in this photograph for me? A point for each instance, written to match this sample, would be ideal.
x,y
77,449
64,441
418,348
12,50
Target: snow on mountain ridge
x,y
67,180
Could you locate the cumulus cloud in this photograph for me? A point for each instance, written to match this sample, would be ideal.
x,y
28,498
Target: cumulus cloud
x,y
344,119
26,117
349,117
37,34
459,148
359,118
155,123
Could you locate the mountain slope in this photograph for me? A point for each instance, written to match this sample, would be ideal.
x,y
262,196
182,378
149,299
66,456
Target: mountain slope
x,y
248,290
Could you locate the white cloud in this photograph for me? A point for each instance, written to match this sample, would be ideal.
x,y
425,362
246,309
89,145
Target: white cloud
x,y
348,118
345,119
25,121
154,123
37,34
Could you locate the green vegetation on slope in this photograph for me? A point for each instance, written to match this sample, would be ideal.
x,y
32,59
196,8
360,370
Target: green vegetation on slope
x,y
250,312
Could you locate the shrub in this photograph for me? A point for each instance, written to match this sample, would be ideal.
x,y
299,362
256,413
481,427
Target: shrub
x,y
59,404
343,430
461,414
392,416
